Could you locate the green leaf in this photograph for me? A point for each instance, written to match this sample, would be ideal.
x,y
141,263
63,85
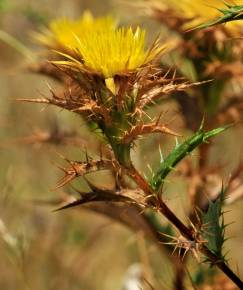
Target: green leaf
x,y
213,220
180,152
231,13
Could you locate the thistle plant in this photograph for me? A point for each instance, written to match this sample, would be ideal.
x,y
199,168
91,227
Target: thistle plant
x,y
111,79
210,53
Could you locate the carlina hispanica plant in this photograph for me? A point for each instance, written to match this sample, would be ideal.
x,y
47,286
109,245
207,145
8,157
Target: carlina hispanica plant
x,y
112,80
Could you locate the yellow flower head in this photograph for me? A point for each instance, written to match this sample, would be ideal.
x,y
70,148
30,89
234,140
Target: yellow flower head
x,y
111,52
115,52
63,32
200,11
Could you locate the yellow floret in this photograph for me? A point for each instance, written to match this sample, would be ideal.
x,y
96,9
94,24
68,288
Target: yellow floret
x,y
114,52
63,32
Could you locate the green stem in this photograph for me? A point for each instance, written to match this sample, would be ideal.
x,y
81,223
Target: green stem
x,y
123,155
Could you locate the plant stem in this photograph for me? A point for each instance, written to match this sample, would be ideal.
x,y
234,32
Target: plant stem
x,y
183,229
187,233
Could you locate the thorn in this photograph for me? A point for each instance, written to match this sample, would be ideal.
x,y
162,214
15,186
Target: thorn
x,y
41,101
69,205
202,123
62,168
86,155
150,169
161,155
65,180
227,4
172,168
65,159
158,119
49,86
173,76
147,115
167,73
177,144
145,176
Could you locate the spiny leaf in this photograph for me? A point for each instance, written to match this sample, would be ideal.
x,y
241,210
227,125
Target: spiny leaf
x,y
231,13
102,196
129,196
180,152
131,216
215,233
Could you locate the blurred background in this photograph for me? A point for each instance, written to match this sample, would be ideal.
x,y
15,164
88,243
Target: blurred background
x,y
72,249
